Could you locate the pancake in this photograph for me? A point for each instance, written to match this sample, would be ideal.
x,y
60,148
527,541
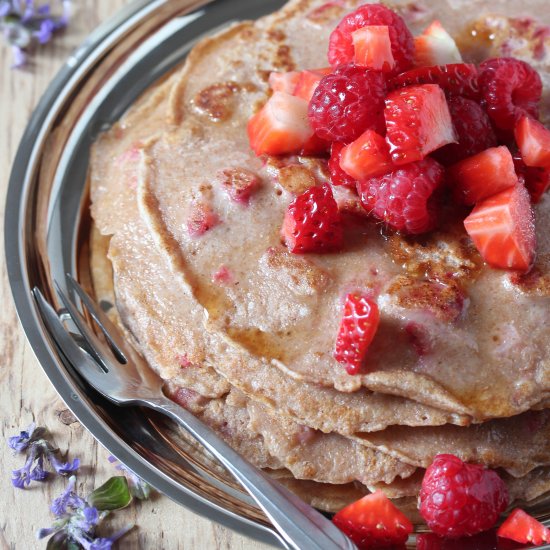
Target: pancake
x,y
244,331
465,369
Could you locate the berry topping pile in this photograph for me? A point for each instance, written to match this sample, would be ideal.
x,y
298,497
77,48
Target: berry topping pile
x,y
410,130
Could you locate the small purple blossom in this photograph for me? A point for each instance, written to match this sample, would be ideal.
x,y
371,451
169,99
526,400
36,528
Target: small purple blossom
x,y
76,521
26,24
32,442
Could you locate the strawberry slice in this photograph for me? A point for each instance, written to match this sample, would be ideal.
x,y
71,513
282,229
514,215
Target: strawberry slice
x,y
455,79
308,81
418,122
503,229
372,47
357,329
374,522
533,140
435,46
367,156
312,222
284,82
281,126
536,180
521,527
483,175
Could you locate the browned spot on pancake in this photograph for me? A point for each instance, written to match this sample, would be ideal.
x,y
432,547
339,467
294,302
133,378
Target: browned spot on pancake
x,y
263,74
283,59
276,35
296,179
445,301
441,257
301,275
326,13
217,101
537,281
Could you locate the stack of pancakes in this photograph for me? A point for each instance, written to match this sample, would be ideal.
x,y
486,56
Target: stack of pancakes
x,y
244,331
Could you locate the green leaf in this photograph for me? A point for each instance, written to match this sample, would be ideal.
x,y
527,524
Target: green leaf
x,y
114,494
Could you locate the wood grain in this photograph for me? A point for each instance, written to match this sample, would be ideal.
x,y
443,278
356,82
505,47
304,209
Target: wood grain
x,y
27,395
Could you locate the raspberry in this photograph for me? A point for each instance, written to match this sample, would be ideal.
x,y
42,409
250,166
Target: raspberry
x,y
341,50
459,499
348,102
453,79
473,129
337,175
405,199
511,89
312,222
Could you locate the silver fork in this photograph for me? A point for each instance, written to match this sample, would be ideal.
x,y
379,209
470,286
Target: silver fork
x,y
115,370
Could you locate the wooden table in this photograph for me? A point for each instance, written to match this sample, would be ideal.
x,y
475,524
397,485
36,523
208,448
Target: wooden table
x,y
27,395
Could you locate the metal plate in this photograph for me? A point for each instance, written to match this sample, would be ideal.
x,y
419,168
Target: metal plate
x,y
46,233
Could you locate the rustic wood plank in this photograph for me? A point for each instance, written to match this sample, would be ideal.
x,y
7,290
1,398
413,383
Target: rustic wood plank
x,y
26,393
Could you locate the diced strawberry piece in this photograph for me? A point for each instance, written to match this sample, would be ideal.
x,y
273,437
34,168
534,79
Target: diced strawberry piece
x,y
281,126
418,122
454,79
374,522
357,329
284,82
372,47
485,174
521,527
367,156
308,82
240,184
533,140
312,222
503,229
201,219
315,146
435,47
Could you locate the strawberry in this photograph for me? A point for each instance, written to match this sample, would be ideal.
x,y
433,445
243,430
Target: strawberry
x,y
418,122
284,82
523,528
357,329
312,222
533,140
483,175
372,48
308,81
374,522
367,156
281,126
240,184
503,229
435,46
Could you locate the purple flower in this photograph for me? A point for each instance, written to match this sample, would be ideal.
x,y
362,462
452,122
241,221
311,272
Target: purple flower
x,y
68,500
45,32
107,543
63,468
5,8
19,443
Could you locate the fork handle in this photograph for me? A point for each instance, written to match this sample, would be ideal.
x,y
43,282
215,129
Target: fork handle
x,y
299,525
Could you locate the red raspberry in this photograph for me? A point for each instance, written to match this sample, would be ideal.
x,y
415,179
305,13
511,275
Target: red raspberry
x,y
536,180
337,175
348,102
511,89
459,499
405,199
454,79
341,48
473,129
312,222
